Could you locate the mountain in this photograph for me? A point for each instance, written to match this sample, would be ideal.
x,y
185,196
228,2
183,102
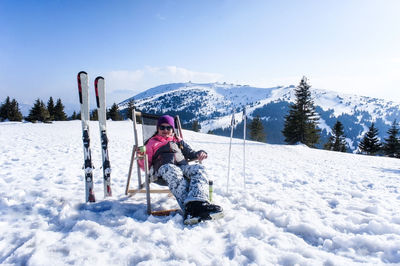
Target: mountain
x,y
213,103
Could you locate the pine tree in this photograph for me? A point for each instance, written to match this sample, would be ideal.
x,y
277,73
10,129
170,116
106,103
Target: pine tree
x,y
370,143
59,114
196,126
73,116
130,108
113,113
38,112
10,110
50,108
337,141
391,146
301,122
4,109
93,115
257,130
14,114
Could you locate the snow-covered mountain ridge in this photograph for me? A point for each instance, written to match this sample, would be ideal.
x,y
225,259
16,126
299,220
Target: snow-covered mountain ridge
x,y
212,105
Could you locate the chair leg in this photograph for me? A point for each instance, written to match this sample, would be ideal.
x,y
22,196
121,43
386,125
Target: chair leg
x,y
130,170
164,212
147,181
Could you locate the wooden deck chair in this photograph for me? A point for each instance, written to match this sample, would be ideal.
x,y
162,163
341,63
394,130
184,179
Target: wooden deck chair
x,y
149,127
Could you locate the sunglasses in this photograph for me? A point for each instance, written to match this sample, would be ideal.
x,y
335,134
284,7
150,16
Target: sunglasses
x,y
165,128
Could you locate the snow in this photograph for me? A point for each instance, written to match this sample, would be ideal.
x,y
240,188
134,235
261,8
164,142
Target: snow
x,y
299,205
322,125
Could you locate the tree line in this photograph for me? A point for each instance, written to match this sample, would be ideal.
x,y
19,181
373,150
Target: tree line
x,y
9,110
301,122
52,111
371,145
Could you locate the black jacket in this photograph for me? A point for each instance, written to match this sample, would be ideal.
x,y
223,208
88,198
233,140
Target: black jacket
x,y
178,153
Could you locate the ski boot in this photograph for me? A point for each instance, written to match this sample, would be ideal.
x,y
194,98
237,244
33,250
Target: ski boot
x,y
197,211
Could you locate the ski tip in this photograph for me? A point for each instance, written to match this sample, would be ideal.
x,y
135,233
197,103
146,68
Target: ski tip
x,y
80,85
82,72
96,81
98,78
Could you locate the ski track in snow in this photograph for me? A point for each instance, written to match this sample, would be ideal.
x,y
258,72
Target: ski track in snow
x,y
299,205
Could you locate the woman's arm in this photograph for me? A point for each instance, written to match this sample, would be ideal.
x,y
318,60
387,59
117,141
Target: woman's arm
x,y
191,154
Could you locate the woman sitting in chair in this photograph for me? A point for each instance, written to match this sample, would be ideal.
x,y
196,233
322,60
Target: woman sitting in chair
x,y
169,156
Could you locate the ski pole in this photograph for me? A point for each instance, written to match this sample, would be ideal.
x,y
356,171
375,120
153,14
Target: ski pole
x,y
230,148
244,146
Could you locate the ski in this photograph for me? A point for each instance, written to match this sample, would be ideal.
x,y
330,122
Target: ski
x,y
83,87
99,86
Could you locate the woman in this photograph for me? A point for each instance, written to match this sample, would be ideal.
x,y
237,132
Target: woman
x,y
169,156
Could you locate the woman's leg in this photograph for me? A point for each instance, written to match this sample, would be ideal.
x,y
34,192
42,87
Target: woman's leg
x,y
198,186
178,185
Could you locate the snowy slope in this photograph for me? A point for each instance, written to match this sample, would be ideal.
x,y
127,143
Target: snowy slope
x,y
300,206
212,105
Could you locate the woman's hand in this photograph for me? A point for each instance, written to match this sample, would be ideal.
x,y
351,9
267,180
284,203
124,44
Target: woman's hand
x,y
201,156
141,150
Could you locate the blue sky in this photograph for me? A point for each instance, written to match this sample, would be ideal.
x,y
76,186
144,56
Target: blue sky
x,y
348,46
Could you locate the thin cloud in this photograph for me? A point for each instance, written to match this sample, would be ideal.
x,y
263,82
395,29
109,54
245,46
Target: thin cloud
x,y
142,79
122,84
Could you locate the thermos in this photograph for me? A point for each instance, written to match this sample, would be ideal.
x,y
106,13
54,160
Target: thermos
x,y
210,189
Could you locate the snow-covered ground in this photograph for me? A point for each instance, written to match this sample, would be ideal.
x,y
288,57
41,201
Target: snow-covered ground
x,y
299,206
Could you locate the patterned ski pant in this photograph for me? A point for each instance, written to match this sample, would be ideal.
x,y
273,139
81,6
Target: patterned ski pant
x,y
186,182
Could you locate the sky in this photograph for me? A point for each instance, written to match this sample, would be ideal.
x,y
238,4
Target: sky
x,y
349,46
